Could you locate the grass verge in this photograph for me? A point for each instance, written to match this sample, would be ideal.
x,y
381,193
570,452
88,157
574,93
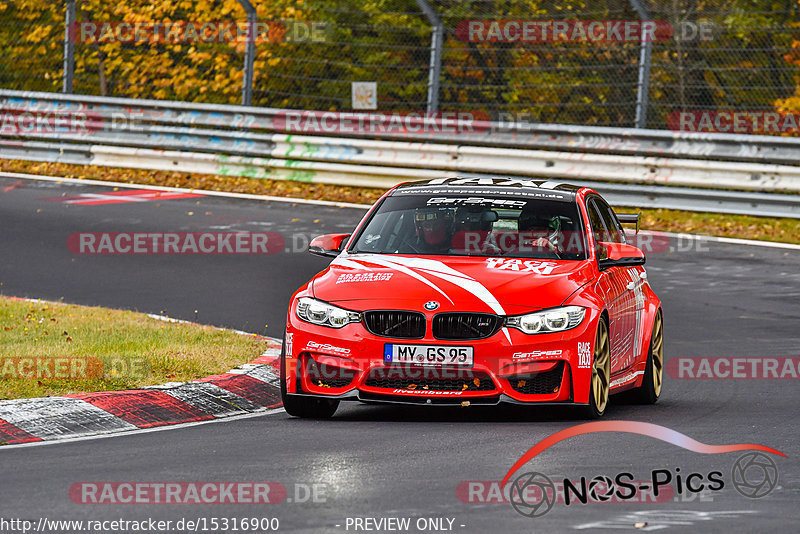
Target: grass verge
x,y
54,348
720,225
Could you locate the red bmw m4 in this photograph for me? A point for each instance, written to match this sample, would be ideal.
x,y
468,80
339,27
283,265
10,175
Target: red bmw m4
x,y
474,291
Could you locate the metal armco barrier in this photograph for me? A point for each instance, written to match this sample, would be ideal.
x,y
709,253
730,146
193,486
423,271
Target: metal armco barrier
x,y
244,141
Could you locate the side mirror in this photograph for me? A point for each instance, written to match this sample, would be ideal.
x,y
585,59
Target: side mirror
x,y
618,255
329,245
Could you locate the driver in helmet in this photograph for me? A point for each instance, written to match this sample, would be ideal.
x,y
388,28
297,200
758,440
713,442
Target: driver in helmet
x,y
434,228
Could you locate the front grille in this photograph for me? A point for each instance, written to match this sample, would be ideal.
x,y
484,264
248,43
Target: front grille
x,y
393,323
429,379
465,325
545,383
327,376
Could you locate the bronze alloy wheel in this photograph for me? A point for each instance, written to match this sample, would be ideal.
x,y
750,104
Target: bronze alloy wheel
x,y
601,369
657,351
653,378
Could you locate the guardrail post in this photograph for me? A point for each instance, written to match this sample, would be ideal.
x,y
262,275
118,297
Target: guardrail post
x,y
435,68
249,53
645,56
69,47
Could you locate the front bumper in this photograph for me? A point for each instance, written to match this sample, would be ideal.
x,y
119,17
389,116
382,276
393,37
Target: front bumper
x,y
368,398
508,367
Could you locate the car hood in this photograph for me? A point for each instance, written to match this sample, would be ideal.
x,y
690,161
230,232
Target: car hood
x,y
505,286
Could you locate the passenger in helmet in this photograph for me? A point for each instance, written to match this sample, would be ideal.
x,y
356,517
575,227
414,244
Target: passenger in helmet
x,y
535,232
434,228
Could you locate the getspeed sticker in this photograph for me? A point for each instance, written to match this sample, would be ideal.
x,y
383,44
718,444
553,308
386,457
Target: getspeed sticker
x,y
476,201
536,354
326,347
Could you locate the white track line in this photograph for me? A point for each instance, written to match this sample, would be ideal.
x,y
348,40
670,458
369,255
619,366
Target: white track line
x,y
734,241
727,240
167,319
265,411
184,190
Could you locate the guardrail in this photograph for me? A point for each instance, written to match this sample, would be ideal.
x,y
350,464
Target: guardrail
x,y
243,141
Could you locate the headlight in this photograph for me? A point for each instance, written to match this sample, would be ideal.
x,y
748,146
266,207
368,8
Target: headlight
x,y
555,320
324,314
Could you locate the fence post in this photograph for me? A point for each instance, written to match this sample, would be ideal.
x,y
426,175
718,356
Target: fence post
x,y
645,57
435,68
249,53
69,47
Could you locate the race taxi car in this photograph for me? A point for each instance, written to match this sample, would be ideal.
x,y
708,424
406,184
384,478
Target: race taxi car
x,y
476,290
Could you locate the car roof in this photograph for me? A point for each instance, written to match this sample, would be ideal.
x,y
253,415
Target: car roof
x,y
545,189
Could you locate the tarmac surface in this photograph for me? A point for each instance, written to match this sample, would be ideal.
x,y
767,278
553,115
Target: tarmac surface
x,y
380,462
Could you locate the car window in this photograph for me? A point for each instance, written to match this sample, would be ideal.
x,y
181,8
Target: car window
x,y
596,222
513,225
614,232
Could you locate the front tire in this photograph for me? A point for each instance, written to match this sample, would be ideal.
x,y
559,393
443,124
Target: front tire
x,y
601,373
304,407
650,389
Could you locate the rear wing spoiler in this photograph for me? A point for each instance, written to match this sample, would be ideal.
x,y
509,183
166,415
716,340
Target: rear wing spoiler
x,y
629,218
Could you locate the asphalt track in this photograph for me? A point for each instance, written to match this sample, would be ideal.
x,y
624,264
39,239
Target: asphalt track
x,y
719,300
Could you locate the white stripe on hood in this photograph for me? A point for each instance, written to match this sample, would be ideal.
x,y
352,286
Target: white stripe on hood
x,y
438,269
371,258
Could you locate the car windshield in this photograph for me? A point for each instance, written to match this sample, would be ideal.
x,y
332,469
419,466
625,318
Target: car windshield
x,y
478,225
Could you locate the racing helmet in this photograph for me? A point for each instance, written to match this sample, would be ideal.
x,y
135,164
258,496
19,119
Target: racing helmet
x,y
531,222
474,219
434,225
543,226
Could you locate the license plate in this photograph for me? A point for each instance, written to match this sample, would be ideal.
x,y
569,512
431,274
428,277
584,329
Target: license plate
x,y
428,355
